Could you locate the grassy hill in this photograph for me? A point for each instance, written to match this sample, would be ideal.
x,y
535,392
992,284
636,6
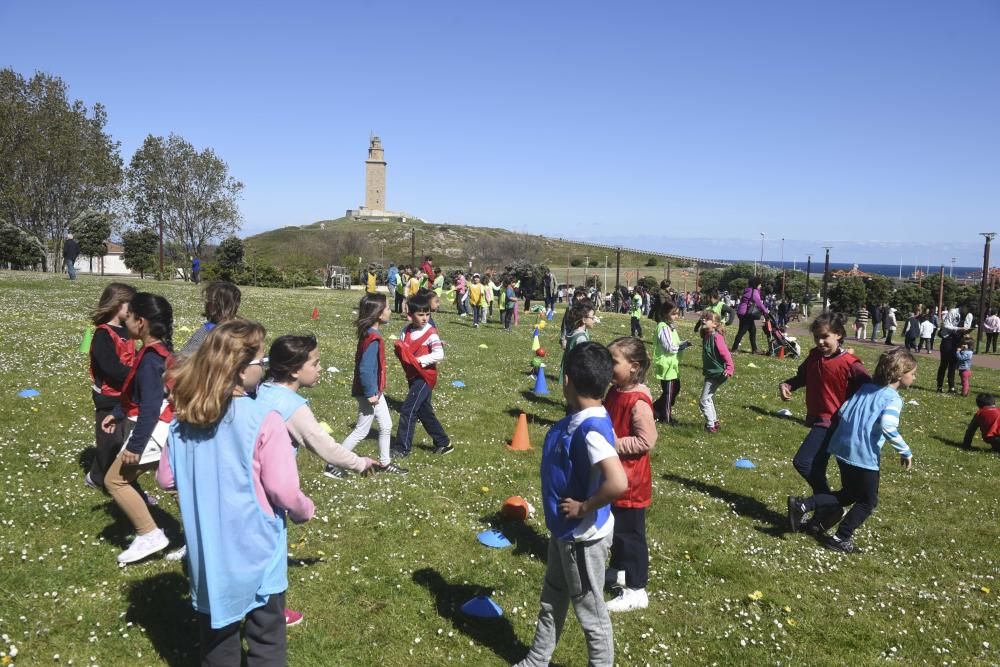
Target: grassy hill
x,y
343,241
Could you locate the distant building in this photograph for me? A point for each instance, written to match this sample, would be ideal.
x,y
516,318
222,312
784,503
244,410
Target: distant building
x,y
109,264
854,272
374,208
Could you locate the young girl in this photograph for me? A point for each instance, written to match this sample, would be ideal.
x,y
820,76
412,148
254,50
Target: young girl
x,y
509,303
717,366
140,420
830,375
369,383
964,357
867,420
222,300
630,406
233,466
667,349
579,321
112,353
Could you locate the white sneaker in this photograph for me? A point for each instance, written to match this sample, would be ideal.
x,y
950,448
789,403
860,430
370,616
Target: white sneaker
x,y
143,546
614,578
177,554
629,600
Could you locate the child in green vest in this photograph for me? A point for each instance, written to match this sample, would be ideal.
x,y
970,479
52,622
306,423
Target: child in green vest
x,y
717,366
636,312
667,349
580,318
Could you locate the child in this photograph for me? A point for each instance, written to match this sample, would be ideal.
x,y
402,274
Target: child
x,y
371,280
509,303
580,319
926,334
401,286
564,328
716,305
630,407
717,366
222,300
911,332
234,517
419,351
636,313
111,356
830,375
477,299
581,475
867,420
460,294
438,284
667,349
861,323
141,419
369,383
964,357
987,420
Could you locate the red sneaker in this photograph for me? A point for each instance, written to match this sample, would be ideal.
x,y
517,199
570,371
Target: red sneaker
x,y
292,617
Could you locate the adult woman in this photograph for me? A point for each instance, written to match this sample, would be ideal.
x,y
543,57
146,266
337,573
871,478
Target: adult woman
x,y
749,309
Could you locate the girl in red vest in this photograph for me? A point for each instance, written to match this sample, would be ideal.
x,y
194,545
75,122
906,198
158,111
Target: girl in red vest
x,y
369,382
141,419
111,355
630,405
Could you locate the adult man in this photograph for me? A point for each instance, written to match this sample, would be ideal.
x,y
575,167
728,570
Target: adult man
x,y
195,270
71,250
549,285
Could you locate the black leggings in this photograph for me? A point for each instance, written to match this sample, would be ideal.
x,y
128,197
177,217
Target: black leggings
x,y
747,325
860,491
629,551
949,364
663,407
991,341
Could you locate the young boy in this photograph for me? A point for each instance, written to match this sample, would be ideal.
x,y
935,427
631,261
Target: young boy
x,y
581,476
419,350
964,357
371,280
867,420
926,334
987,420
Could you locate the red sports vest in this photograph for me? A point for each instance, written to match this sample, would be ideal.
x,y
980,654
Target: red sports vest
x,y
125,349
827,381
408,350
640,476
362,346
131,407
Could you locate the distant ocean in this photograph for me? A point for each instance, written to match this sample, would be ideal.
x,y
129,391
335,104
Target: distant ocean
x,y
891,270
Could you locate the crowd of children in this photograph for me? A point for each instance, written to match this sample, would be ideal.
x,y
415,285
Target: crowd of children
x,y
224,406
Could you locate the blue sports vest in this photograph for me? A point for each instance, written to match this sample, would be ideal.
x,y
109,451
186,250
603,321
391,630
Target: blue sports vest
x,y
237,555
279,398
566,472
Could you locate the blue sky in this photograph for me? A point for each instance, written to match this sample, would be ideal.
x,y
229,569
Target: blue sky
x,y
688,127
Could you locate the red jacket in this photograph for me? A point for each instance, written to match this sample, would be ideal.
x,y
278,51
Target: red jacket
x,y
409,350
829,381
640,476
988,421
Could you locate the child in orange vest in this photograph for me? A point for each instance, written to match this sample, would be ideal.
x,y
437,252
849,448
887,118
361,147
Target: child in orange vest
x,y
630,405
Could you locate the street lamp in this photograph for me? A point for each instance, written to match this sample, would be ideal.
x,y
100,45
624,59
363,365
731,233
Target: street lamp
x,y
809,266
951,273
826,276
761,253
982,287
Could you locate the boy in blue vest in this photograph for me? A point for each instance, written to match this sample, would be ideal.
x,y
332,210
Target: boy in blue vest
x,y
581,476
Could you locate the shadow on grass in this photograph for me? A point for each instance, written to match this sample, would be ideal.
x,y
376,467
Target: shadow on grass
x,y
496,634
161,606
525,538
86,458
768,413
954,443
119,530
745,506
532,419
532,397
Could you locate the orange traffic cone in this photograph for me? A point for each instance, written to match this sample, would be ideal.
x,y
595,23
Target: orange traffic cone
x,y
315,313
520,441
781,352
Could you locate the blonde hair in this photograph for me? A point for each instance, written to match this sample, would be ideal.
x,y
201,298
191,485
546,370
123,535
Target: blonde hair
x,y
892,365
714,316
634,350
203,383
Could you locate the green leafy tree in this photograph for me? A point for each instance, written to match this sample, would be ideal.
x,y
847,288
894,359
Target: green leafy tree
x,y
910,296
847,294
91,230
139,250
530,275
652,261
18,249
55,157
878,289
709,280
576,261
191,192
229,254
741,271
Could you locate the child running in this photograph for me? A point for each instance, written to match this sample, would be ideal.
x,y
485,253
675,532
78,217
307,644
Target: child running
x,y
231,461
581,475
630,405
667,349
112,354
830,375
717,366
964,357
369,382
419,351
866,421
987,420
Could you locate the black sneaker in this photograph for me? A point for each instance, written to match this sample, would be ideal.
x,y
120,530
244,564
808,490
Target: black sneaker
x,y
814,528
834,543
398,453
333,472
444,449
795,513
393,468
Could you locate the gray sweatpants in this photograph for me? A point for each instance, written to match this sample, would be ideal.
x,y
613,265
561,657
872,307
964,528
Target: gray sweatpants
x,y
707,401
367,413
575,574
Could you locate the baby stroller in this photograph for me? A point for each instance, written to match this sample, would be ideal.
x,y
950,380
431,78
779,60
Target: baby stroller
x,y
779,343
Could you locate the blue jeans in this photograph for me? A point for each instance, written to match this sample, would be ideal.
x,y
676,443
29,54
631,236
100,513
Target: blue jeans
x,y
811,459
70,268
417,407
477,314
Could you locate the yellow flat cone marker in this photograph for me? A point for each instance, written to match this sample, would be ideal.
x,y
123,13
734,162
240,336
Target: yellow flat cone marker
x,y
326,427
484,346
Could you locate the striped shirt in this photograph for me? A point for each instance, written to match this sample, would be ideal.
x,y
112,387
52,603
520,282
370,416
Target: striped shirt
x,y
869,419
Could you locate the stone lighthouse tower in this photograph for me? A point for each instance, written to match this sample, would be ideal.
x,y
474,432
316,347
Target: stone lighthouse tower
x,y
375,176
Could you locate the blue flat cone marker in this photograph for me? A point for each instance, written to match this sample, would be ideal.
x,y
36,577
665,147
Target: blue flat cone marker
x,y
745,463
457,383
88,336
28,393
540,387
482,606
552,314
493,538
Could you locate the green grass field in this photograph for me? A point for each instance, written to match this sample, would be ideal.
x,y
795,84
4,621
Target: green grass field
x,y
381,570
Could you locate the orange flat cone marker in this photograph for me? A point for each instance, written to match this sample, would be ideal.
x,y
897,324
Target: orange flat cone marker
x,y
315,313
520,441
781,353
